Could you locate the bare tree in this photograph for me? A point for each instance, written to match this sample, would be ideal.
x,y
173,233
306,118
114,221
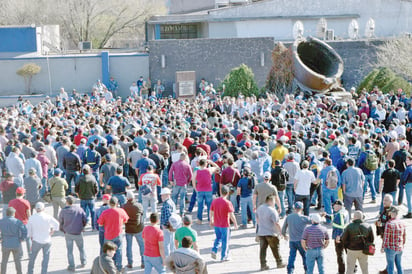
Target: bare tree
x,y
397,55
83,20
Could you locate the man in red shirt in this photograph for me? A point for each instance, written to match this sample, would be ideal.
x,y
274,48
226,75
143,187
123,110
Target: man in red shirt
x,y
204,146
79,137
230,176
154,253
221,211
113,220
22,207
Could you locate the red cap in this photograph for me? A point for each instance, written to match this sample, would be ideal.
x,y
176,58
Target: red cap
x,y
255,128
155,148
248,144
106,197
360,124
332,136
20,190
163,110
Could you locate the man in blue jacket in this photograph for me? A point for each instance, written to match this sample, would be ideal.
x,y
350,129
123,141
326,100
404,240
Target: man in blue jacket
x,y
13,232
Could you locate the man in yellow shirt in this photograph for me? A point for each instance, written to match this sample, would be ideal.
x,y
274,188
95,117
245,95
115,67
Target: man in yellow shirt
x,y
279,152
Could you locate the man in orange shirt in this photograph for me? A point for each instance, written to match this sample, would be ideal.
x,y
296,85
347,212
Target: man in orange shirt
x,y
113,220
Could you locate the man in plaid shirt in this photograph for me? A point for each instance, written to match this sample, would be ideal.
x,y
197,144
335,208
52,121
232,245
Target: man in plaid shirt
x,y
394,241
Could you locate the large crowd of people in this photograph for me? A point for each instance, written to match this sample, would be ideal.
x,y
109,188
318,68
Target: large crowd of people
x,y
259,159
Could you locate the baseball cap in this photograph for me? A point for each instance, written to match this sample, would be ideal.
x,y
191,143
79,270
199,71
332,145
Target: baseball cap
x,y
129,195
298,205
316,218
145,152
215,157
155,148
338,202
20,190
57,171
106,197
267,175
165,191
39,206
108,157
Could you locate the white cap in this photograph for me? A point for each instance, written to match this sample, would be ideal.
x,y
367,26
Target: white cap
x,y
39,206
343,149
267,175
402,144
165,191
175,221
129,195
316,218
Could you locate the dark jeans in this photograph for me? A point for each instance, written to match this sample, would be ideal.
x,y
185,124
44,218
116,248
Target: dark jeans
x,y
305,199
71,176
339,249
5,258
273,243
318,190
88,207
348,201
293,247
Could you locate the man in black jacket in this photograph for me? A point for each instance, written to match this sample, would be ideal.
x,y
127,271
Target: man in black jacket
x,y
72,165
86,189
354,237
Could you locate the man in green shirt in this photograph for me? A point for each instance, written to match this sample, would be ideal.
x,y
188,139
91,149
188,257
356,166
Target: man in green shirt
x,y
58,187
186,230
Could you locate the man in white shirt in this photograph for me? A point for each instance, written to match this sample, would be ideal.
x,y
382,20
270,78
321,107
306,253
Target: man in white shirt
x,y
303,180
40,228
15,166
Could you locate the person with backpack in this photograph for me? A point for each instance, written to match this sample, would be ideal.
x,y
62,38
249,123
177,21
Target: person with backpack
x,y
245,188
368,162
330,181
279,178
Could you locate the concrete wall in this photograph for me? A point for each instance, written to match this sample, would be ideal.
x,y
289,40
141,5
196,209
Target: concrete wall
x,y
210,58
77,71
214,58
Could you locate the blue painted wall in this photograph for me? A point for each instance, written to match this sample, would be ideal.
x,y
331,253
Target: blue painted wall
x,y
18,39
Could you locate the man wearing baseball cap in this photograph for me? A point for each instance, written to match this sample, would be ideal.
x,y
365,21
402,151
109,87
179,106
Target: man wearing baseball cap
x,y
263,190
168,207
40,228
295,223
105,200
339,222
22,207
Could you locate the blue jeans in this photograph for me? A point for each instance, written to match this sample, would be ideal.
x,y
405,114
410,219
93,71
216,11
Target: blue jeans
x,y
43,189
121,198
293,247
129,244
202,198
369,180
393,194
46,255
290,196
168,241
88,207
101,240
179,191
153,262
408,190
192,201
222,238
71,176
282,203
329,197
312,256
78,239
117,258
393,258
378,174
245,203
233,200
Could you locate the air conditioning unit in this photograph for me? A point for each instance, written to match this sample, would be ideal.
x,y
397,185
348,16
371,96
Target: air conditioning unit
x,y
330,34
85,45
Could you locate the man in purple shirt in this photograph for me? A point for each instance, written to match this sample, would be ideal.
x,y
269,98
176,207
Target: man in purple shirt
x,y
181,174
315,239
72,221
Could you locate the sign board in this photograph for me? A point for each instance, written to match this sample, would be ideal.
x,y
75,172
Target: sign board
x,y
186,84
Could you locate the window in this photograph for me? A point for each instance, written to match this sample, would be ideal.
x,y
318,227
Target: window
x,y
181,31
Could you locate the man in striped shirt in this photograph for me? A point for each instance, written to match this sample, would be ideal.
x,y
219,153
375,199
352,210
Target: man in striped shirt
x,y
315,238
394,241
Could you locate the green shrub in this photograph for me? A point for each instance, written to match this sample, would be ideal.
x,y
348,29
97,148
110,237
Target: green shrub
x,y
397,83
240,80
367,83
383,77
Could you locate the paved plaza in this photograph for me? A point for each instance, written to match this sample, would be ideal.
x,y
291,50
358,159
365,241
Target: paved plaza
x,y
244,251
